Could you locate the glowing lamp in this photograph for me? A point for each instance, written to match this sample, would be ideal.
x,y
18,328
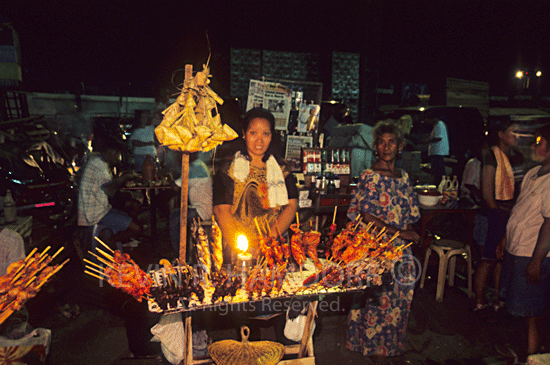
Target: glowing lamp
x,y
244,259
242,243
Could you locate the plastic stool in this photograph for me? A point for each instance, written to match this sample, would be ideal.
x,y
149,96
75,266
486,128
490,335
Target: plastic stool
x,y
447,251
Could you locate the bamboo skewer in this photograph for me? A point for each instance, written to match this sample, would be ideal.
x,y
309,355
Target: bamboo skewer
x,y
45,250
94,275
403,247
31,253
268,228
21,270
57,253
380,233
93,263
334,216
102,260
111,258
104,245
258,227
52,274
94,269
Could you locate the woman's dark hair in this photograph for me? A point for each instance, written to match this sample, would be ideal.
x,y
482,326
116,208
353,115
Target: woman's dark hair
x,y
275,145
387,127
499,125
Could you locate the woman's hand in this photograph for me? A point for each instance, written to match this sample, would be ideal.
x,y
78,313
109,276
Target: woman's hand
x,y
410,235
532,272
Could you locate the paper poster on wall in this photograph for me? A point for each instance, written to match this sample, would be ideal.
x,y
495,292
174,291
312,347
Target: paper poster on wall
x,y
308,117
294,145
273,97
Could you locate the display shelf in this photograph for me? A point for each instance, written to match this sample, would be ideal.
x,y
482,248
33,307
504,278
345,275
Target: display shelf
x,y
326,160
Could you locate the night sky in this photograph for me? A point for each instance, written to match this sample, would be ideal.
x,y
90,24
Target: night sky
x,y
140,45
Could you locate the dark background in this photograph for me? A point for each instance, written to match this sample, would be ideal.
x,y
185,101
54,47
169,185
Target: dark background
x,y
137,47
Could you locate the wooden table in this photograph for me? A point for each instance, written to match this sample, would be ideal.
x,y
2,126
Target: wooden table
x,y
430,212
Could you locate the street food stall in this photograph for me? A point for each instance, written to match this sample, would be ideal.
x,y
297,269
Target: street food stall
x,y
354,257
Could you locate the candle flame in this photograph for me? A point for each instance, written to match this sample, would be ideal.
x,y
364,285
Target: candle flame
x,y
242,243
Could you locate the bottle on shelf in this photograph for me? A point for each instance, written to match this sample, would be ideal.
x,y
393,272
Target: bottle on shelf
x,y
10,211
323,189
442,184
337,183
148,168
454,187
331,187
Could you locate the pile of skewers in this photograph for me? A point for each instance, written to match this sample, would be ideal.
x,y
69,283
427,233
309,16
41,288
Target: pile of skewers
x,y
357,257
207,250
175,285
24,279
120,271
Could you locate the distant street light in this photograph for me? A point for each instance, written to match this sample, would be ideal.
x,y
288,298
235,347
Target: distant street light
x,y
539,73
519,74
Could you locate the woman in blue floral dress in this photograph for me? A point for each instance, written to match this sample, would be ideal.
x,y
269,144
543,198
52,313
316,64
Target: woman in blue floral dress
x,y
385,196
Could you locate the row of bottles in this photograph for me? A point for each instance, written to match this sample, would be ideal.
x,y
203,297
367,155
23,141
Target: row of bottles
x,y
327,183
448,187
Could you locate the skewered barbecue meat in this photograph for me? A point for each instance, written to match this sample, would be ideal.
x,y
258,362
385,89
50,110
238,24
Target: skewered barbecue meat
x,y
311,241
202,250
216,240
296,245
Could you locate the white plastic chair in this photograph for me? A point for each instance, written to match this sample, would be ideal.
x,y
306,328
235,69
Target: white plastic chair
x,y
447,251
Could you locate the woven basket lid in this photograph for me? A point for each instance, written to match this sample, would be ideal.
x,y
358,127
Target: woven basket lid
x,y
231,352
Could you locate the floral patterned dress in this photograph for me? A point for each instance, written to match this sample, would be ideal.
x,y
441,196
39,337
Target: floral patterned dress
x,y
379,327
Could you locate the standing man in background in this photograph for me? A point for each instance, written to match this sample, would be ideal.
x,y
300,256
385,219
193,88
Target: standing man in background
x,y
438,147
143,139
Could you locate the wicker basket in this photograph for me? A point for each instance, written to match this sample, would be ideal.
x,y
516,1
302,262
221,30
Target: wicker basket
x,y
231,352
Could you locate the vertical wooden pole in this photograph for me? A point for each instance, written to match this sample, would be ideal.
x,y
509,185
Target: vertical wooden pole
x,y
184,189
188,341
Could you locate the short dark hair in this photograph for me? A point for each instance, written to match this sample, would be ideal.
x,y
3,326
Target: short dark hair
x,y
275,145
387,127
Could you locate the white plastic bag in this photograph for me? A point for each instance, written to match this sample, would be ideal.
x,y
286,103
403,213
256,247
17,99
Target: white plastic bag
x,y
294,328
35,345
169,332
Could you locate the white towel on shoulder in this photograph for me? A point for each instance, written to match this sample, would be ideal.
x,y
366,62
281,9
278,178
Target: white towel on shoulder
x,y
276,188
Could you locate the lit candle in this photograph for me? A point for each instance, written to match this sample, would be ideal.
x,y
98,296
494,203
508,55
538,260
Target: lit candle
x,y
244,258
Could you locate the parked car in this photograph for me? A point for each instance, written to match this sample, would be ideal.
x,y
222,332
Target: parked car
x,y
40,181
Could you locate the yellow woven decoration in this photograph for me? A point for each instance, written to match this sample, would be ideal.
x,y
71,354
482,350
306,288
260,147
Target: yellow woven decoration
x,y
189,124
231,352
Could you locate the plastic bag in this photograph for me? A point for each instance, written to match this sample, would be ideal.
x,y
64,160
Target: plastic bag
x,y
294,328
169,332
32,348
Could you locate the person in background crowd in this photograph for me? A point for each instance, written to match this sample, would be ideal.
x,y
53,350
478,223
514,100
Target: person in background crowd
x,y
255,184
12,249
142,139
438,147
470,188
385,196
501,176
97,185
525,282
